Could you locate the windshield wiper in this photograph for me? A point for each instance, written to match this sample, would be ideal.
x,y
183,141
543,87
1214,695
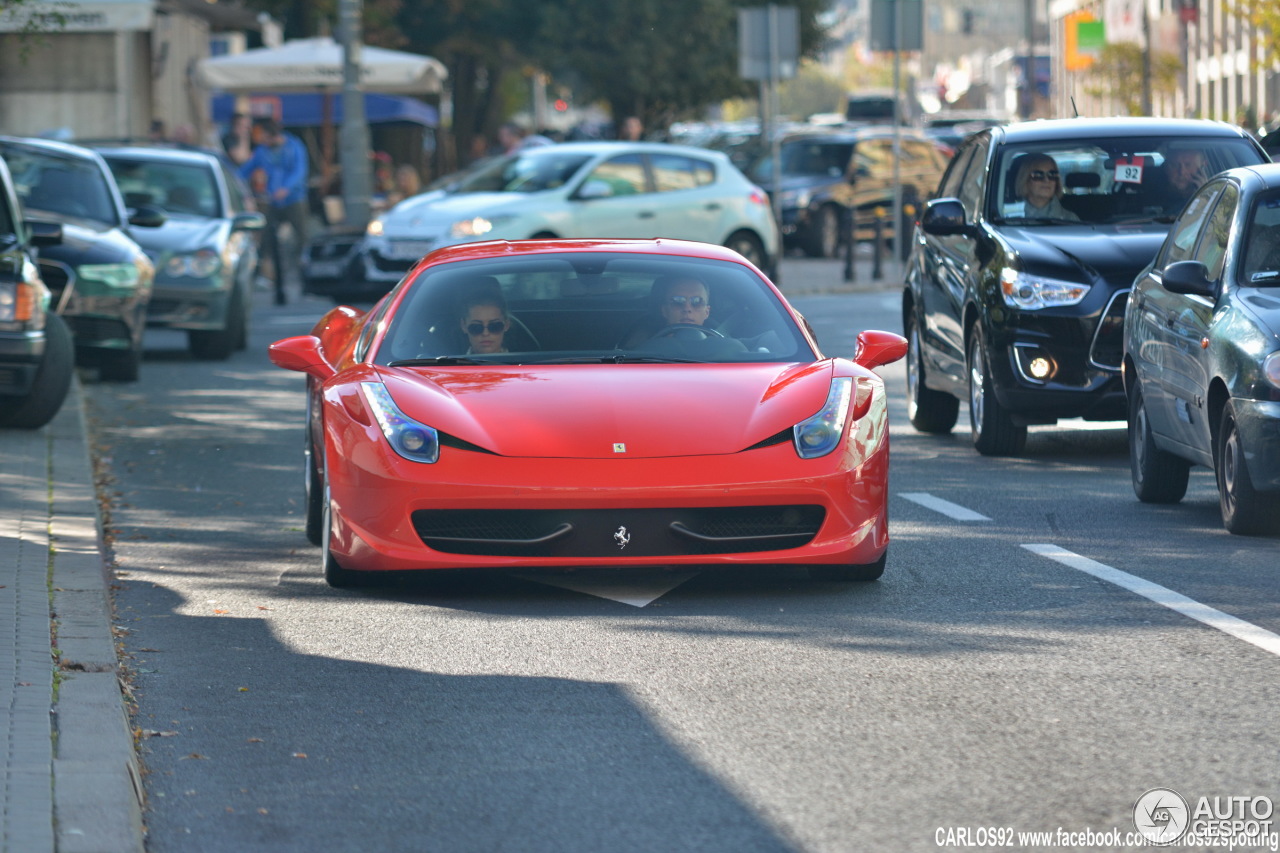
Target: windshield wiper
x,y
439,359
622,358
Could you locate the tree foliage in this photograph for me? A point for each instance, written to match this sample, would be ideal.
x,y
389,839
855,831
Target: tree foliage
x,y
1117,74
1264,17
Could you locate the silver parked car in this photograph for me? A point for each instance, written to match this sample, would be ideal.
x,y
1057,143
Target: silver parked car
x,y
575,189
206,250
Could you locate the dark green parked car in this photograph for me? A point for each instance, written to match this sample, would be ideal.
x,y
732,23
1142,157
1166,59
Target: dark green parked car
x,y
100,277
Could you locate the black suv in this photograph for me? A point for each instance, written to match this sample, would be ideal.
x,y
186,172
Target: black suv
x,y
1019,310
35,347
100,276
827,173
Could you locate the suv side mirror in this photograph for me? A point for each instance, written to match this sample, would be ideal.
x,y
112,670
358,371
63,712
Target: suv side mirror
x,y
944,217
248,221
148,216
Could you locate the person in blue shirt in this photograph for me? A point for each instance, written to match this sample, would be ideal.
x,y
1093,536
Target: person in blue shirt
x,y
283,159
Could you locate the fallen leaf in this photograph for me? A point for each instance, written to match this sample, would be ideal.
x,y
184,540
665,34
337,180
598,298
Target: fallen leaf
x,y
299,755
194,755
222,611
262,811
148,650
243,689
254,740
154,733
260,607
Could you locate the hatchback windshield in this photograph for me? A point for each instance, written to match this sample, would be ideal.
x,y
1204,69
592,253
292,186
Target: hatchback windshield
x,y
61,186
177,187
591,308
527,172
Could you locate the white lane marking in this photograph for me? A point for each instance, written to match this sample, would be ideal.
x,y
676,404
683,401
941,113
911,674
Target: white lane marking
x,y
636,587
947,508
1210,616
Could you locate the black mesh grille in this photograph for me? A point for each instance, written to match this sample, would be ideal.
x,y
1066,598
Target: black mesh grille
x,y
386,264
619,532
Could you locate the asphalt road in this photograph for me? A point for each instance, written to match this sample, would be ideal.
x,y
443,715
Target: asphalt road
x,y
982,683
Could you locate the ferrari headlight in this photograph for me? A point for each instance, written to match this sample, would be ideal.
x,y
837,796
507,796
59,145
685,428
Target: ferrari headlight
x,y
201,264
478,226
112,275
412,440
1271,369
1032,292
820,434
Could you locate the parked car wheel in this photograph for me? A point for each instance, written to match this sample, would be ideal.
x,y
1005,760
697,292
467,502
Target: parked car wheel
x,y
868,572
994,432
823,239
1245,511
52,379
1158,477
121,365
219,344
928,410
748,245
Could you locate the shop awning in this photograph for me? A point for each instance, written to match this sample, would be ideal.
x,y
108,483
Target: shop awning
x,y
307,109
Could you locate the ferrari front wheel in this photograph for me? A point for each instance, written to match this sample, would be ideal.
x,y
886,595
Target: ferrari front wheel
x,y
857,572
334,574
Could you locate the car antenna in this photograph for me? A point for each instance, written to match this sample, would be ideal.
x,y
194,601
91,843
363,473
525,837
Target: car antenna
x,y
1073,106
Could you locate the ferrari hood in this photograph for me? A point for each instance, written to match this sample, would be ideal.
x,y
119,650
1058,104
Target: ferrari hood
x,y
612,411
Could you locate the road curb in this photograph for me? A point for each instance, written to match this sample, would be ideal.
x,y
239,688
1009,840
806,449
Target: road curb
x,y
97,786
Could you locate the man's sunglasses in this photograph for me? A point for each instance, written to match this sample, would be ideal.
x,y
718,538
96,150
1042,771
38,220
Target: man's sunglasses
x,y
1041,175
495,327
694,301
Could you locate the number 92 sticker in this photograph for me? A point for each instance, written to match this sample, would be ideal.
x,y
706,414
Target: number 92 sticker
x,y
1129,171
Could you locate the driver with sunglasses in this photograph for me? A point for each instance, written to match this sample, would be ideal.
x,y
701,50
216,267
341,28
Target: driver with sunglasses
x,y
485,322
1039,185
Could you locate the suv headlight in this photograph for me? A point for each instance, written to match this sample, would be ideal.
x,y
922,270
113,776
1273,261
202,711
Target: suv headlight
x,y
1032,292
112,275
795,198
201,264
820,434
1271,369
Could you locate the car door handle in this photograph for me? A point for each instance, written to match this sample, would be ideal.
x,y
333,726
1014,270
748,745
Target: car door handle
x,y
715,205
646,214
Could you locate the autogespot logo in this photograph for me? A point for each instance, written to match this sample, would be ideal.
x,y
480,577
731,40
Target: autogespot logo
x,y
1161,815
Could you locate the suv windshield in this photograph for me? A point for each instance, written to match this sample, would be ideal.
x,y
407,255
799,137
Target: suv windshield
x,y
60,186
805,157
1106,181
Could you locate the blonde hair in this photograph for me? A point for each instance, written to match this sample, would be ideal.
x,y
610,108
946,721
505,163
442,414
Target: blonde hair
x,y
1029,163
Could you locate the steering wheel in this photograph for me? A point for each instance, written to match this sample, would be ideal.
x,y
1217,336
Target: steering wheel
x,y
678,330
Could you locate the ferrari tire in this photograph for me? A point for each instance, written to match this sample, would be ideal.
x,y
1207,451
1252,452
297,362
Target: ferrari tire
x,y
312,479
334,574
50,385
1245,511
928,410
856,572
994,432
1159,477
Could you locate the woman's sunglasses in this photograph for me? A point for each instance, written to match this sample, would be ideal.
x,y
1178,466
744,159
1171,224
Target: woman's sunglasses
x,y
695,301
495,327
1040,175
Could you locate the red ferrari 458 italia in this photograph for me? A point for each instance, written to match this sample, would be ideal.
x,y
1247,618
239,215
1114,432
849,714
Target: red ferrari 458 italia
x,y
573,403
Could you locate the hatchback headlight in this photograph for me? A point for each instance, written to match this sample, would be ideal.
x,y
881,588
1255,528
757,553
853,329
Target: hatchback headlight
x,y
374,228
478,226
414,441
1032,292
1271,369
820,434
112,275
201,264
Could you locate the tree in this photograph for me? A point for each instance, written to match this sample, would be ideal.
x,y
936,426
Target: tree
x,y
1264,17
657,59
1117,74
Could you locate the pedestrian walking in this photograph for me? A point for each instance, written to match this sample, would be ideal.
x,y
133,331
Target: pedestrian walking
x,y
283,159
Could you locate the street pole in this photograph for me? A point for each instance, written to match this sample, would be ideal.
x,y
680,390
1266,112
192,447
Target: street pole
x,y
353,152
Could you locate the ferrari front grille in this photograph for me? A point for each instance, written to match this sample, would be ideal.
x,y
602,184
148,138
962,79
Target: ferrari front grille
x,y
600,533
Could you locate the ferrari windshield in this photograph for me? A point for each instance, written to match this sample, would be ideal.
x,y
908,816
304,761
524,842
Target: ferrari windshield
x,y
593,307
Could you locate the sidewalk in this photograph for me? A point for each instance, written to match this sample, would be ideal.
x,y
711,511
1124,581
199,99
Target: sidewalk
x,y
798,276
71,780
